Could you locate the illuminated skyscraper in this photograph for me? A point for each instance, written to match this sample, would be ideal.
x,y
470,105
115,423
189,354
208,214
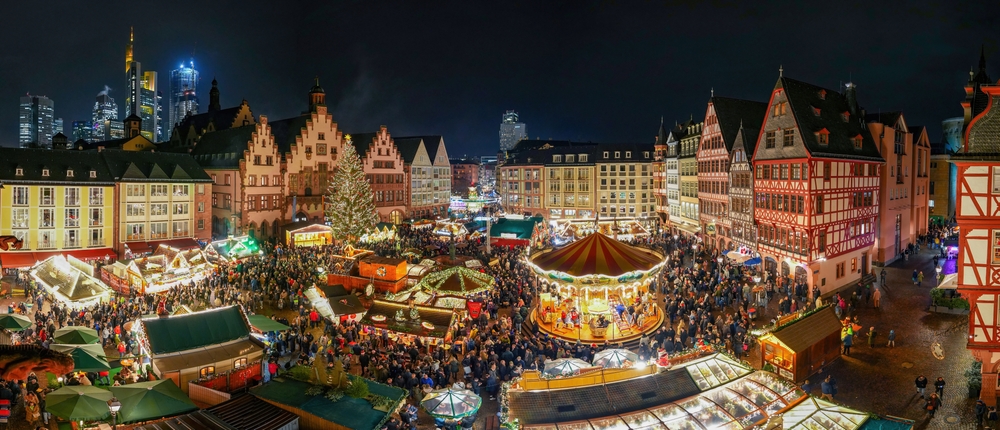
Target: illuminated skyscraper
x,y
142,99
105,123
511,131
183,93
82,130
36,122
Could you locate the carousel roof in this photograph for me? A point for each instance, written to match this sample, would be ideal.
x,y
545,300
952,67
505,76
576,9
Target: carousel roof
x,y
597,254
458,280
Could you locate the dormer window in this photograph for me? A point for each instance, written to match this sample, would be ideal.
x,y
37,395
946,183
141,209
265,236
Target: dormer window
x,y
45,172
605,154
19,172
822,94
93,174
823,137
628,154
583,158
618,154
846,116
858,140
645,154
570,158
816,111
557,158
69,173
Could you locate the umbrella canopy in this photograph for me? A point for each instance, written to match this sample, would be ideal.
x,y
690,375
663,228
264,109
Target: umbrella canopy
x,y
79,402
614,358
86,358
752,262
565,366
14,322
265,324
151,400
451,403
75,335
737,257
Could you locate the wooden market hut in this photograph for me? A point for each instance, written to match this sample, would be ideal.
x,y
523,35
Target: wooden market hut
x,y
307,233
432,325
803,346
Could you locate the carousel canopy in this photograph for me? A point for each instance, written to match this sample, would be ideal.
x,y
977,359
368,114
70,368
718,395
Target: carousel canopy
x,y
458,280
597,254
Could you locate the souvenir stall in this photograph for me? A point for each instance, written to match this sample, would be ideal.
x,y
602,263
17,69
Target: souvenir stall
x,y
165,269
383,231
232,249
451,229
307,233
335,303
70,281
518,232
803,343
422,224
568,230
406,323
596,289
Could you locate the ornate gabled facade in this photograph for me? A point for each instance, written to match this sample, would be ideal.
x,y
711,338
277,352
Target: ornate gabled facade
x,y
426,161
723,119
186,133
741,196
384,169
978,215
688,161
673,174
816,171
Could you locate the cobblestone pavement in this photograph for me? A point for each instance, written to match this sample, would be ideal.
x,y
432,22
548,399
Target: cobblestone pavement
x,y
881,379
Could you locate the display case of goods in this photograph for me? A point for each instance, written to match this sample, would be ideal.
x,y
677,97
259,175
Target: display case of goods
x,y
754,392
641,420
737,406
707,413
612,423
778,385
577,425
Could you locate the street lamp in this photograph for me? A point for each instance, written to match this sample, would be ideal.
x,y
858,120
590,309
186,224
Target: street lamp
x,y
114,405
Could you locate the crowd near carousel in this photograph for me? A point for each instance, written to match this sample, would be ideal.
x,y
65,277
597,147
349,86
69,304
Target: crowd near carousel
x,y
647,332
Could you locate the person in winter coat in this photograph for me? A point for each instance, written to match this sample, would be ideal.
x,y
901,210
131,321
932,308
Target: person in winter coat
x,y
939,387
871,336
933,403
892,339
848,341
921,383
980,412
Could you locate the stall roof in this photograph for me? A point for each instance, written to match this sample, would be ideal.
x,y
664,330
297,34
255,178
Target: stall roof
x,y
522,228
67,280
814,413
207,355
245,412
347,304
265,324
197,330
597,254
457,280
804,333
303,225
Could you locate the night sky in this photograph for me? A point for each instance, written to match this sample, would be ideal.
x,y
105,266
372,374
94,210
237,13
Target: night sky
x,y
578,70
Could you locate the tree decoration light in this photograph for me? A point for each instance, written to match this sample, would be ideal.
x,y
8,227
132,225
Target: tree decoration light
x,y
350,201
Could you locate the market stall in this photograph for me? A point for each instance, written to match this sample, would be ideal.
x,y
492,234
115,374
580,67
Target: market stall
x,y
232,249
383,231
597,283
814,413
802,345
569,230
166,268
335,303
452,229
307,233
405,323
513,231
70,281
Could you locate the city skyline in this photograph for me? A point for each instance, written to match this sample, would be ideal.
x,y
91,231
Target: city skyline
x,y
574,101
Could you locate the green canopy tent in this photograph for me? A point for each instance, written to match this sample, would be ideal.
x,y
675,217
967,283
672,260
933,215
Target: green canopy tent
x,y
79,402
14,322
86,358
265,324
75,335
145,401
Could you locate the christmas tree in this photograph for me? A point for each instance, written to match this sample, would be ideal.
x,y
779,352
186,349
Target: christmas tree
x,y
350,201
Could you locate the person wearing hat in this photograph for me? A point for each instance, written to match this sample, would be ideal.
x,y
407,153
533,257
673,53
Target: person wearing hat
x,y
980,412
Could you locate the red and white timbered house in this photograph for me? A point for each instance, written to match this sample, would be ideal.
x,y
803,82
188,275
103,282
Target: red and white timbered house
x,y
723,118
978,216
816,186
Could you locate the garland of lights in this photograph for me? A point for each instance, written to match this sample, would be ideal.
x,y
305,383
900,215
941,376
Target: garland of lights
x,y
434,280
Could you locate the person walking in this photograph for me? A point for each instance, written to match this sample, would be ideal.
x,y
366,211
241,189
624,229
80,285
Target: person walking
x,y
920,279
871,337
921,384
848,341
933,403
939,387
980,412
892,339
827,389
877,298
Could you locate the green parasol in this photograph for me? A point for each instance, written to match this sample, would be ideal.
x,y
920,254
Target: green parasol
x,y
14,322
265,324
79,402
451,403
75,335
145,401
86,358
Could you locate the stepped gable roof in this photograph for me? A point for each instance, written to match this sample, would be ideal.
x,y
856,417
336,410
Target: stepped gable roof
x,y
887,118
154,166
223,120
361,142
223,148
731,113
804,98
285,131
32,161
597,254
408,147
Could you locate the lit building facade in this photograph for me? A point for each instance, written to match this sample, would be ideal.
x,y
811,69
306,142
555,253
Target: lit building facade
x,y
940,186
673,175
143,97
723,118
660,176
816,170
519,182
36,121
425,159
625,182
512,130
688,168
568,178
464,175
385,171
183,94
741,193
895,225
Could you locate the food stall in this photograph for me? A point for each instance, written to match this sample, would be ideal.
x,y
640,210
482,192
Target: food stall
x,y
165,269
335,303
597,279
568,230
802,345
383,231
453,229
307,233
70,281
232,249
406,323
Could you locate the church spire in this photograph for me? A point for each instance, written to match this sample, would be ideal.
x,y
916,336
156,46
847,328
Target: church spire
x,y
213,97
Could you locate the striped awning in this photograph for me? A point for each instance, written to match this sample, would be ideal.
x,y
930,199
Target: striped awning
x,y
597,254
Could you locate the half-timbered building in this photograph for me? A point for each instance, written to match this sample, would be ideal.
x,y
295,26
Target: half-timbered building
x,y
741,213
722,122
816,171
978,215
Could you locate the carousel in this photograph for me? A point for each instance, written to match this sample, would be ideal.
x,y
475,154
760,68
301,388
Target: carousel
x,y
597,290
